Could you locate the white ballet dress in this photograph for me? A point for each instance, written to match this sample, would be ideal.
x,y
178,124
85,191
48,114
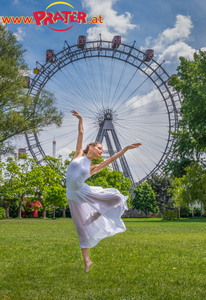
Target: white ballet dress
x,y
96,212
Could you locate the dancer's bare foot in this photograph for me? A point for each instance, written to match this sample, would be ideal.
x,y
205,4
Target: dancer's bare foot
x,y
87,265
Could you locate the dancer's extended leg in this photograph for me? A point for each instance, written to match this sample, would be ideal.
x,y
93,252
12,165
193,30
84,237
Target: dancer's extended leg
x,y
87,261
93,217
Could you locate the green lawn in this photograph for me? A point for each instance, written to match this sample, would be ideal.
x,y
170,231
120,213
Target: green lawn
x,y
153,259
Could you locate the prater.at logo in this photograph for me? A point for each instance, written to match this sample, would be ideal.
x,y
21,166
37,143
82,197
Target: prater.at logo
x,y
50,18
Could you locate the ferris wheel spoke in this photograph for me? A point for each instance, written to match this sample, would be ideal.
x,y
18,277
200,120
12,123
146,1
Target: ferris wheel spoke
x,y
103,81
92,79
143,165
97,93
118,84
110,77
142,138
151,132
74,100
119,97
77,87
135,90
136,99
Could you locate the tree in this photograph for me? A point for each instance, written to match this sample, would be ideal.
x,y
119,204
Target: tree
x,y
191,83
60,167
19,112
43,178
187,190
176,191
145,199
16,183
197,173
160,184
56,196
8,188
176,167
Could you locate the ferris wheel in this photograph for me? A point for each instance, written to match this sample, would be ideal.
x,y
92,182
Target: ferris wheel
x,y
124,97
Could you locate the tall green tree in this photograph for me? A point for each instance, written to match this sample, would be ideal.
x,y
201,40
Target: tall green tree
x,y
56,196
191,83
8,187
145,199
188,189
177,190
19,112
175,168
17,182
43,178
160,185
197,173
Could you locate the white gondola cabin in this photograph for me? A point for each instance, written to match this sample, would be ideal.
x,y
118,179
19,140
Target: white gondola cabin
x,y
116,41
81,41
149,54
49,55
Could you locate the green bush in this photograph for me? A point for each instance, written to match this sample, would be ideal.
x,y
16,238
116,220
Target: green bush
x,y
197,211
185,212
2,213
170,214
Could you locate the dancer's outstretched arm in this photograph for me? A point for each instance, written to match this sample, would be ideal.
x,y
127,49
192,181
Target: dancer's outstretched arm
x,y
108,161
79,148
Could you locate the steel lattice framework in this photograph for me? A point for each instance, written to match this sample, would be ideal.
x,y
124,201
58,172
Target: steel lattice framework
x,y
125,53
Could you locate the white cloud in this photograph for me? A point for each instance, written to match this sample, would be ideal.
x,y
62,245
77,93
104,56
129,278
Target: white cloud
x,y
113,23
142,102
173,52
170,44
20,33
16,2
180,32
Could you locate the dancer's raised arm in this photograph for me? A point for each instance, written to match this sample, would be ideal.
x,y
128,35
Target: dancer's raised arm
x,y
108,161
79,148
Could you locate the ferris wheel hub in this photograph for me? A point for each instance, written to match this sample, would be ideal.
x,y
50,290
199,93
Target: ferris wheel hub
x,y
105,114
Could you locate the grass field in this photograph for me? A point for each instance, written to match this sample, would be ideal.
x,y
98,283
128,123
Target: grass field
x,y
153,259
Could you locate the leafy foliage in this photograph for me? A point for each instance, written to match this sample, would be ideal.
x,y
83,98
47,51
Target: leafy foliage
x,y
170,214
19,112
191,83
160,185
2,213
145,199
191,187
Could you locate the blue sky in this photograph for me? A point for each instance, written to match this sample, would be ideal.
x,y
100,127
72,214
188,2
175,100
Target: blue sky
x,y
143,21
171,28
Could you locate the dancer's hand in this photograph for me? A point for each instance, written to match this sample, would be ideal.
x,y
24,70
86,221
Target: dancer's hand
x,y
132,146
76,114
